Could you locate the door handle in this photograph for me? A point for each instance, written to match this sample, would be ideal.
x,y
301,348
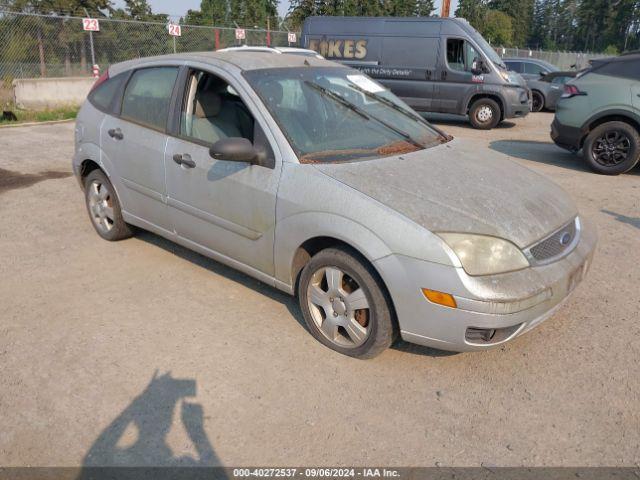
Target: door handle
x,y
443,75
184,160
427,74
116,133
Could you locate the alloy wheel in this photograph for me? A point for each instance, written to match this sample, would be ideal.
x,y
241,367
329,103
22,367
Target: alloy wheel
x,y
100,206
611,148
339,307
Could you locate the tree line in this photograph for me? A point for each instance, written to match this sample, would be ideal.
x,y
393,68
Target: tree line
x,y
610,26
301,9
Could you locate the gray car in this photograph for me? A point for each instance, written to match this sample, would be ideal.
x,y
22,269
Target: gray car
x,y
314,179
547,89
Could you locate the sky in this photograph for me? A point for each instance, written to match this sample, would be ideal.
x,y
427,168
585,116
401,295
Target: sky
x,y
177,8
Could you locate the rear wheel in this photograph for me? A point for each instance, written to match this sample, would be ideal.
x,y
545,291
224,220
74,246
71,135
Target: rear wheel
x,y
344,304
104,207
612,148
484,114
537,101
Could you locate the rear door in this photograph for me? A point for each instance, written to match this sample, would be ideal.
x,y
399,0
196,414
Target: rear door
x,y
531,70
456,83
135,143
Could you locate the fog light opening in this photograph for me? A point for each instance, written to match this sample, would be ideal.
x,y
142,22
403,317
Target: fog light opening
x,y
480,334
489,336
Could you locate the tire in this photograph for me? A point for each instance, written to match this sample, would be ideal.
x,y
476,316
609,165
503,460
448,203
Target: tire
x,y
537,101
329,299
485,114
103,207
612,148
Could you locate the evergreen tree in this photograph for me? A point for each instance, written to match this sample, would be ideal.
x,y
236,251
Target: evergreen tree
x,y
474,11
521,13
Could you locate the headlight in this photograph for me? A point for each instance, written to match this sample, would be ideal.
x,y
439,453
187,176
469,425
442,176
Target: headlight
x,y
509,77
483,255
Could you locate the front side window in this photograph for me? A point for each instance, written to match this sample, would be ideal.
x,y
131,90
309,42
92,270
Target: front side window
x,y
461,55
514,66
148,95
212,110
338,114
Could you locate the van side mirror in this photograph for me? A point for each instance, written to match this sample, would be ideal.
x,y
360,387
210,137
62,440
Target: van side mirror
x,y
478,67
234,149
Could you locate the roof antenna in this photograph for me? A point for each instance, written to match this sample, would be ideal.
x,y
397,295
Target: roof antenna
x,y
306,62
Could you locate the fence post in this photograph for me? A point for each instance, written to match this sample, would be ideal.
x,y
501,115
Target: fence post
x,y
217,38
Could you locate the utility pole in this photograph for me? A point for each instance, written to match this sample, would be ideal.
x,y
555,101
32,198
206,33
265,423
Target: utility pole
x,y
446,4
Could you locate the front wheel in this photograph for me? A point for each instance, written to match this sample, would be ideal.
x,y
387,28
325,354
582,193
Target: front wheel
x,y
345,305
485,114
612,148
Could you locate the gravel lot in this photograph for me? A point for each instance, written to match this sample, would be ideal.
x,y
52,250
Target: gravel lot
x,y
85,324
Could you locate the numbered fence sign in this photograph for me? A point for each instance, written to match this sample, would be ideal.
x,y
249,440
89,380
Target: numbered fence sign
x,y
240,34
292,37
90,24
175,30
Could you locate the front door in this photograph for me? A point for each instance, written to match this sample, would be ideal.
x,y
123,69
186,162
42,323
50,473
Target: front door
x,y
135,144
455,80
224,206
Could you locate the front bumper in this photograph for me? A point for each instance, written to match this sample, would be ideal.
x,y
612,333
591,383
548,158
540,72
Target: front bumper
x,y
517,102
532,295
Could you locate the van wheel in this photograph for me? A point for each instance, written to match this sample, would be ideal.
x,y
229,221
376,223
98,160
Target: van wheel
x,y
537,101
345,305
612,148
104,207
484,114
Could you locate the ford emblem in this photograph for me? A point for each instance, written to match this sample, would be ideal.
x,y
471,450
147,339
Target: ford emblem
x,y
565,238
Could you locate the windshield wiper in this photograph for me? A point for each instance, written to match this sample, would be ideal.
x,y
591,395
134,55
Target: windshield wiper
x,y
398,108
347,104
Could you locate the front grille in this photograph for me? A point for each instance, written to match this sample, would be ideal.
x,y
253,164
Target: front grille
x,y
559,243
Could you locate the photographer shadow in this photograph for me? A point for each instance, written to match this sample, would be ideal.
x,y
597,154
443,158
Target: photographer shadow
x,y
138,436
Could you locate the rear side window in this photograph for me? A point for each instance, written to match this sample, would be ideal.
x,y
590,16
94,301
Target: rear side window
x,y
148,96
533,68
103,96
629,69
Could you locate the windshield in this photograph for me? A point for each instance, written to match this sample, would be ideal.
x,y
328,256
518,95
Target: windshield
x,y
487,49
338,114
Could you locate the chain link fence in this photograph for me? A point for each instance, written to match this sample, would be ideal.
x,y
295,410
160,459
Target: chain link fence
x,y
563,60
33,45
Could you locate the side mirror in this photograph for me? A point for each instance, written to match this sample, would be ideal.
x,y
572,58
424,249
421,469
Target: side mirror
x,y
234,149
478,67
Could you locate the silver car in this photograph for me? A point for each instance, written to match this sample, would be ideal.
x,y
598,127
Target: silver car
x,y
313,178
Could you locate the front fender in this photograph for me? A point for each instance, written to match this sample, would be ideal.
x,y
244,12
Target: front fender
x,y
293,231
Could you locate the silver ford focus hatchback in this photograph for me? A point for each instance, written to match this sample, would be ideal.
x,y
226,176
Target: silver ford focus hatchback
x,y
313,178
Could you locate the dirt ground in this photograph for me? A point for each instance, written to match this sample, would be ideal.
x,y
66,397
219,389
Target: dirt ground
x,y
141,352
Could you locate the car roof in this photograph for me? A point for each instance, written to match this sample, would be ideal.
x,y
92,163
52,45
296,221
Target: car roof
x,y
528,59
249,60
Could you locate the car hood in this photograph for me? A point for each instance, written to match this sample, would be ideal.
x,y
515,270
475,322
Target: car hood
x,y
458,187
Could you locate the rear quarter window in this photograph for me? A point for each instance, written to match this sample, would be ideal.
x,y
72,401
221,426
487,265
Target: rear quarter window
x,y
103,97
